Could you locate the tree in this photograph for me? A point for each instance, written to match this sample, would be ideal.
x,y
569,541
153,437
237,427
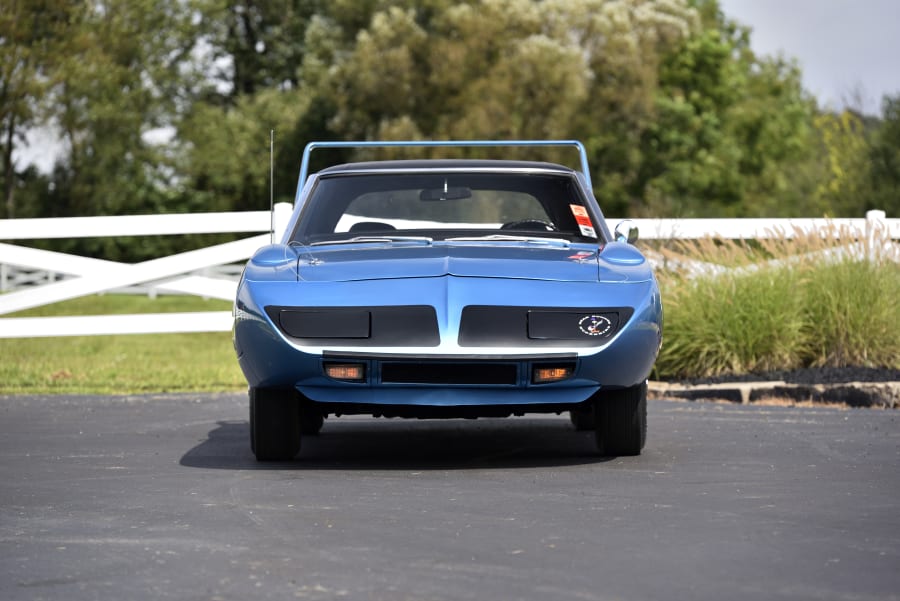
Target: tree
x,y
845,150
227,164
30,32
508,68
884,155
111,85
113,77
378,82
677,113
727,129
252,45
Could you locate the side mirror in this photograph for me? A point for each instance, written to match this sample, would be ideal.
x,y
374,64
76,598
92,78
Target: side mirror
x,y
626,231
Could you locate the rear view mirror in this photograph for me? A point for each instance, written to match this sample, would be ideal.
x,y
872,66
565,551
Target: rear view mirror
x,y
445,193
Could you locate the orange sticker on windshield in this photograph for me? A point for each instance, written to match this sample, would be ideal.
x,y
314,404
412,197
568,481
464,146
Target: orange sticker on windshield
x,y
583,220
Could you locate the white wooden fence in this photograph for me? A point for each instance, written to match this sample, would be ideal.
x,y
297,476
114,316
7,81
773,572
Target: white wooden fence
x,y
176,273
195,272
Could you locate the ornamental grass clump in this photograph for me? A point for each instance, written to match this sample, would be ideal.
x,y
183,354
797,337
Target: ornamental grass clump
x,y
730,318
853,309
795,300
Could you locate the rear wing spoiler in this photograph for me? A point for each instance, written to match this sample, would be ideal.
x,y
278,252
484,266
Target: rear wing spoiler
x,y
304,164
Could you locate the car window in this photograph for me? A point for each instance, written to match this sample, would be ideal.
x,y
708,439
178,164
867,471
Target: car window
x,y
450,203
406,209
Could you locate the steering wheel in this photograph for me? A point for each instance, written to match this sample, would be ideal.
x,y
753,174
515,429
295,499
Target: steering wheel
x,y
531,225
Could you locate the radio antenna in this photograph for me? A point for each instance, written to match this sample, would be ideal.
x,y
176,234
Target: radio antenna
x,y
272,184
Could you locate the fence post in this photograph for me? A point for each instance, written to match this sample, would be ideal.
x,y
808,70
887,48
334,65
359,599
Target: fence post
x,y
280,219
875,228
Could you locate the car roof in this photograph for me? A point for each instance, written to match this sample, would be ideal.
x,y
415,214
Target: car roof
x,y
420,165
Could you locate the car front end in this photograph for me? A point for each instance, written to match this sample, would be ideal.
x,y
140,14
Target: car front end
x,y
445,289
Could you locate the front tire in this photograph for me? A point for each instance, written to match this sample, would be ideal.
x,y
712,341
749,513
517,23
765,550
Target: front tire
x,y
621,428
274,424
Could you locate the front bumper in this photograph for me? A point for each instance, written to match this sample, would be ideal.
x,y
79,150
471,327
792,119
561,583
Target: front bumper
x,y
269,358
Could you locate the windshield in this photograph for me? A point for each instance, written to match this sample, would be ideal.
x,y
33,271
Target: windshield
x,y
445,205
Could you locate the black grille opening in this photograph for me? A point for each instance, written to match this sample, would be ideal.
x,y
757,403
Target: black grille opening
x,y
328,323
540,327
450,373
402,325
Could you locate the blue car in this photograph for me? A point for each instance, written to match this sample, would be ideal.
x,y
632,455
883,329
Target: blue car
x,y
447,288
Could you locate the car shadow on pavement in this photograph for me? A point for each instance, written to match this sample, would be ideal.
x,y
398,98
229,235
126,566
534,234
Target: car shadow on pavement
x,y
367,444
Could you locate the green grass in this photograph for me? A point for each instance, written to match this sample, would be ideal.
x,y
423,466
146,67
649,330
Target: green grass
x,y
121,304
121,364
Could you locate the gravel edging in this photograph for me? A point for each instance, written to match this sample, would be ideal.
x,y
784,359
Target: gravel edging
x,y
882,395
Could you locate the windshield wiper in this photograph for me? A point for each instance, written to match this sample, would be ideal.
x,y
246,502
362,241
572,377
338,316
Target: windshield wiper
x,y
376,239
508,238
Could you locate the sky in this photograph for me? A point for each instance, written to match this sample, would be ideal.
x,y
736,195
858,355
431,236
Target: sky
x,y
846,48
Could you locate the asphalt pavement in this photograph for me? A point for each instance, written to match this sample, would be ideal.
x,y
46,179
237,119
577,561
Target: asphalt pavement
x,y
159,497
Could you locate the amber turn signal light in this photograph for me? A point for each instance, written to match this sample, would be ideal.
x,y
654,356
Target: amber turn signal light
x,y
543,375
349,372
